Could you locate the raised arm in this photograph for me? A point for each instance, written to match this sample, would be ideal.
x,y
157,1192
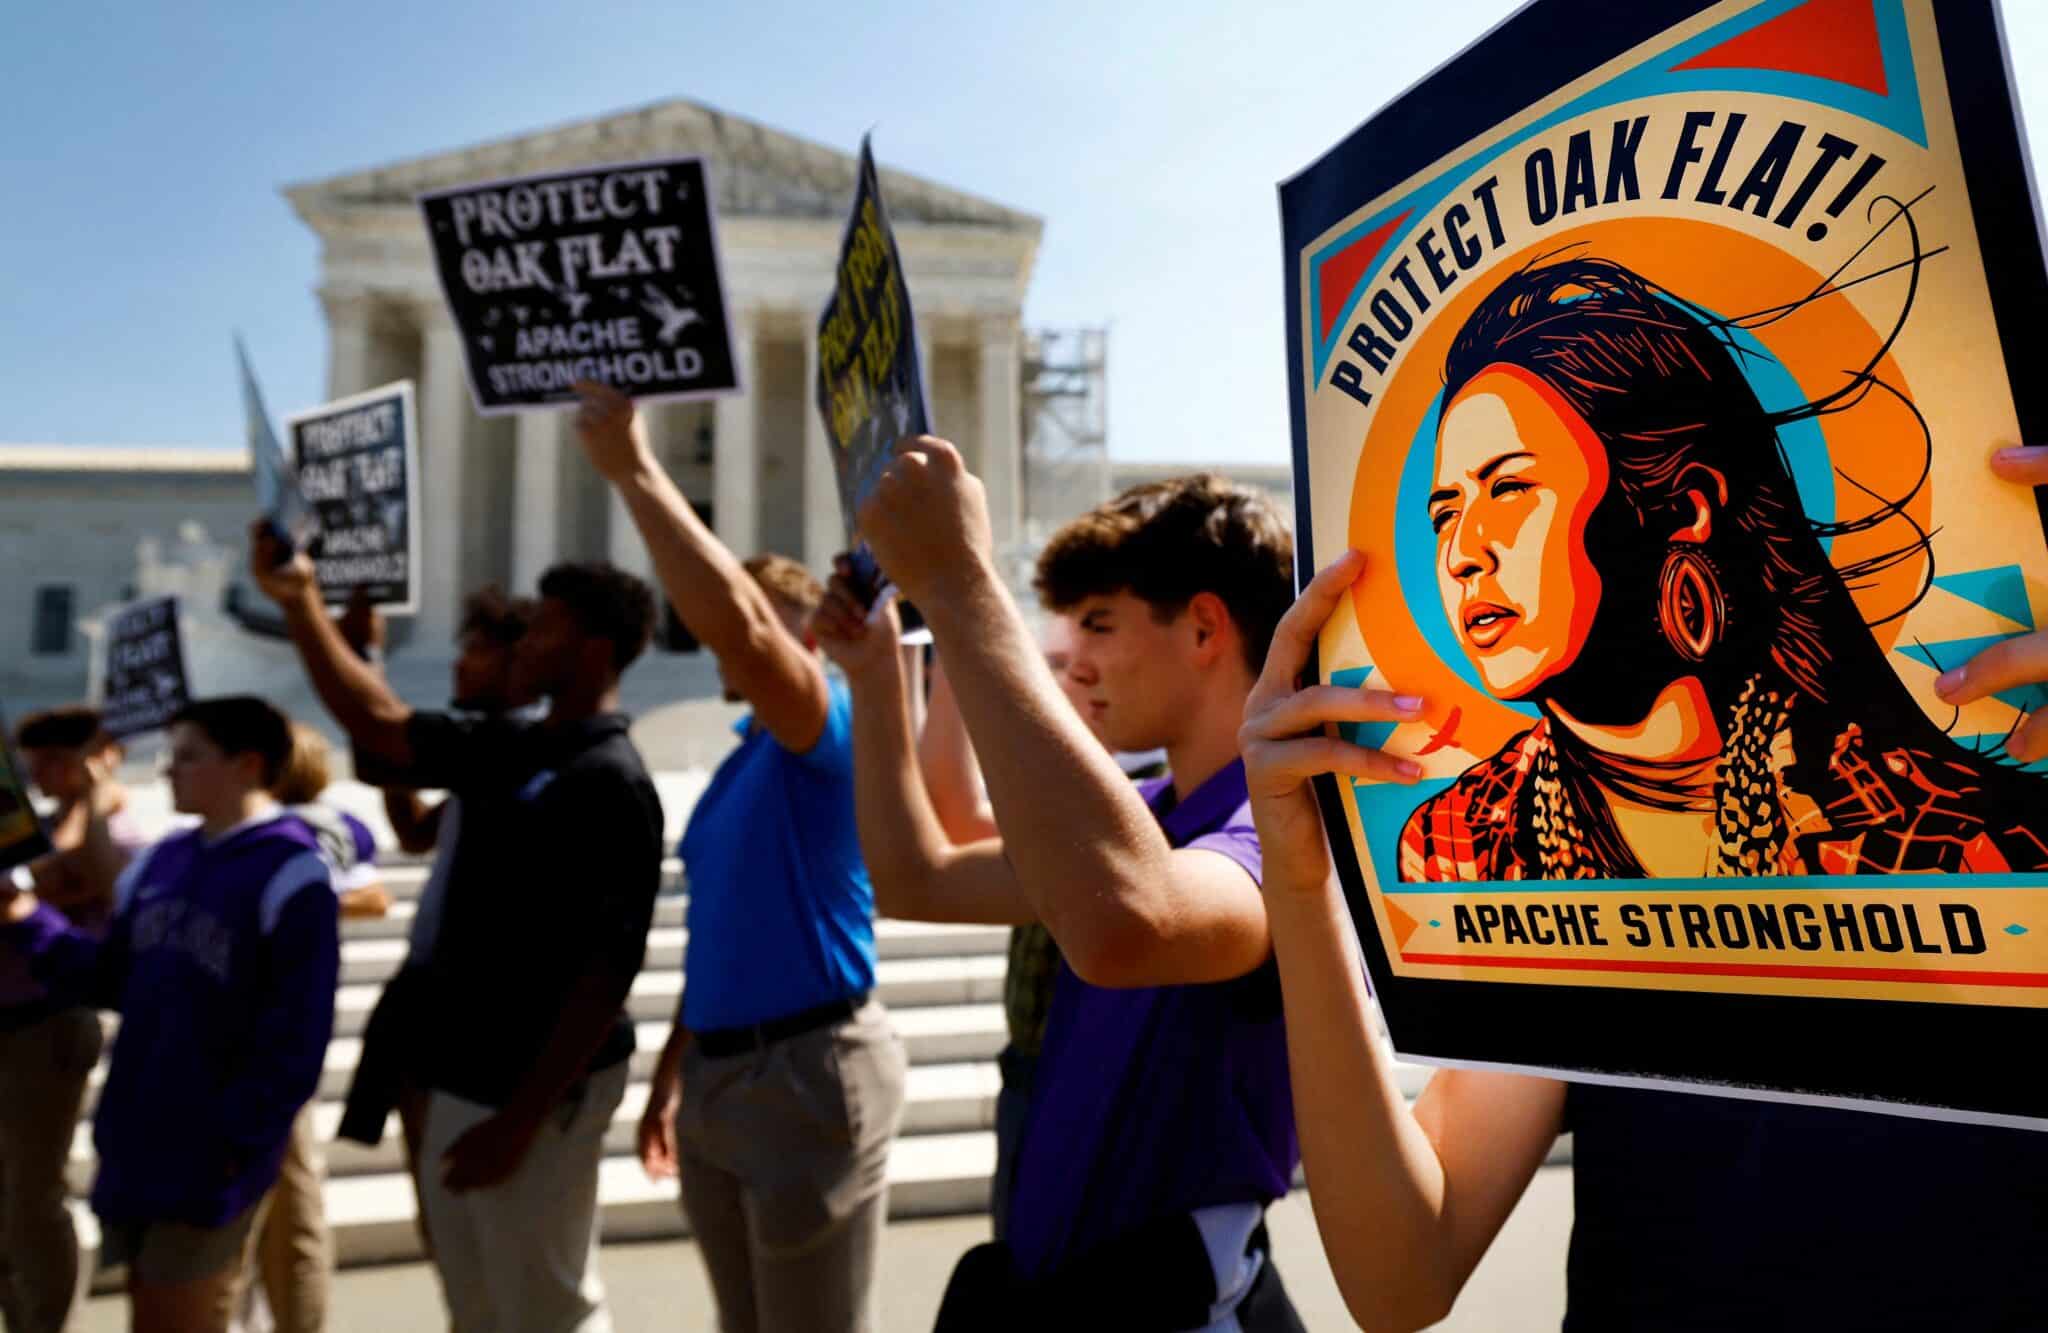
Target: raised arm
x,y
712,593
919,873
1407,1202
354,693
1126,908
952,775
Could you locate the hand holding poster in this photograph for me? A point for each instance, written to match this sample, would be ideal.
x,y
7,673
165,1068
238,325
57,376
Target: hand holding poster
x,y
355,462
1653,354
607,273
144,684
870,389
21,833
277,490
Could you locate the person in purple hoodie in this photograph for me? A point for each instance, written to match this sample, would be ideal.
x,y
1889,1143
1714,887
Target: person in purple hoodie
x,y
1160,1123
221,958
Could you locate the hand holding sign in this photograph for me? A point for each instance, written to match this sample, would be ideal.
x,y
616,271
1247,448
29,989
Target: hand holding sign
x,y
860,639
281,575
2015,663
613,436
927,520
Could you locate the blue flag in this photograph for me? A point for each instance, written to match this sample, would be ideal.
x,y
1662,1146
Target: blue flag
x,y
277,482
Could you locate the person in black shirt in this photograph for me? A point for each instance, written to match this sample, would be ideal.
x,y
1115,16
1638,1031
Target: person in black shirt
x,y
549,899
1691,1212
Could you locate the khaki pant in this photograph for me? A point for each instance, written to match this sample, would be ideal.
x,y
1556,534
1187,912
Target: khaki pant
x,y
521,1257
784,1157
291,1250
43,1072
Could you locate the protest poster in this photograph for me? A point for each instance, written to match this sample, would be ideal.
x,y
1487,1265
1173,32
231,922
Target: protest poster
x,y
143,683
606,273
1653,352
871,391
277,491
356,461
22,838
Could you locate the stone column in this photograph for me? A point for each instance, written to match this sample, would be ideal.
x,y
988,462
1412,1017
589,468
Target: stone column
x,y
824,527
536,497
623,546
444,421
1002,447
349,341
735,469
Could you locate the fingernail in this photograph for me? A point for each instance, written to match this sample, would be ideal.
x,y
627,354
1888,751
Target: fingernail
x,y
1950,681
2019,453
1408,703
1408,768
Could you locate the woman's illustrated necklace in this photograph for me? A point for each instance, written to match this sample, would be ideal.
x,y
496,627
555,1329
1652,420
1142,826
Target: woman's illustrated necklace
x,y
1737,788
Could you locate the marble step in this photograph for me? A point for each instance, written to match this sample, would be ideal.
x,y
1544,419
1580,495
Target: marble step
x,y
900,983
404,878
371,958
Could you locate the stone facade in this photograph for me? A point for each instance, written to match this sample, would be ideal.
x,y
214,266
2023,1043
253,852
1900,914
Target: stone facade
x,y
507,496
77,524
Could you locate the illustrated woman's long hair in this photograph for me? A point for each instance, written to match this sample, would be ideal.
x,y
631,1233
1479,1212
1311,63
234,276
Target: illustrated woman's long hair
x,y
1759,605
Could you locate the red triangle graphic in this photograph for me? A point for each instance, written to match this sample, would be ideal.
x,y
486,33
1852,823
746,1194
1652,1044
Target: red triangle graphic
x,y
1341,271
1826,39
1404,925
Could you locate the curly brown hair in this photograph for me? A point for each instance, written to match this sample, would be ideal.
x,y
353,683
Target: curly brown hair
x,y
786,581
1166,541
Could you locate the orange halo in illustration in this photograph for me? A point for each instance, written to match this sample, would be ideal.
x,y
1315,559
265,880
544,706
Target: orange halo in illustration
x,y
1724,270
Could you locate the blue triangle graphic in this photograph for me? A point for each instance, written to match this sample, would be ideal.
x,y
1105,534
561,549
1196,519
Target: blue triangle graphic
x,y
2001,591
1371,735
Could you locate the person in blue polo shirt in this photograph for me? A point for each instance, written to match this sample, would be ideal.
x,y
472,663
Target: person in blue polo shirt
x,y
781,1087
1160,1123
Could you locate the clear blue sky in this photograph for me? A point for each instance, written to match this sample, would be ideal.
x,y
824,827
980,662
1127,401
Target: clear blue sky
x,y
142,147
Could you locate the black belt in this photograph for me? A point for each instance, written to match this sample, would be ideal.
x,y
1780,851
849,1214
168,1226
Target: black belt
x,y
721,1042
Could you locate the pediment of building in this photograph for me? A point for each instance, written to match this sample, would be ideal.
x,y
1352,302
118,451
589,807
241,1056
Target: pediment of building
x,y
757,171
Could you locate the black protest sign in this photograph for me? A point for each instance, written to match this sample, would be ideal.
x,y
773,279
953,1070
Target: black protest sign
x,y
607,273
355,462
144,682
870,389
21,833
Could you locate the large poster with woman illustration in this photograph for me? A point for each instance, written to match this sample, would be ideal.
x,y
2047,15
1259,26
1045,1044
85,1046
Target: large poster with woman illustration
x,y
1654,353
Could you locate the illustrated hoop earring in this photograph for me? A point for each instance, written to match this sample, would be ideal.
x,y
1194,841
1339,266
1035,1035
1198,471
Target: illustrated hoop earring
x,y
1690,607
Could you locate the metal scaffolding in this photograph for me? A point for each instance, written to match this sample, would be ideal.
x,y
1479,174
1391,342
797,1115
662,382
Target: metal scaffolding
x,y
1066,427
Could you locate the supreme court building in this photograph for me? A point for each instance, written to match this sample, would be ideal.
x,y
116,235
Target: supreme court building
x,y
507,496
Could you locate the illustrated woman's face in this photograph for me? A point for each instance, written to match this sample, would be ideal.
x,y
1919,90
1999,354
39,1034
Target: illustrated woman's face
x,y
1518,474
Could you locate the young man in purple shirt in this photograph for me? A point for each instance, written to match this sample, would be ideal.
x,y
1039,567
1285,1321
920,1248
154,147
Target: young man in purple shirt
x,y
221,958
1160,1125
